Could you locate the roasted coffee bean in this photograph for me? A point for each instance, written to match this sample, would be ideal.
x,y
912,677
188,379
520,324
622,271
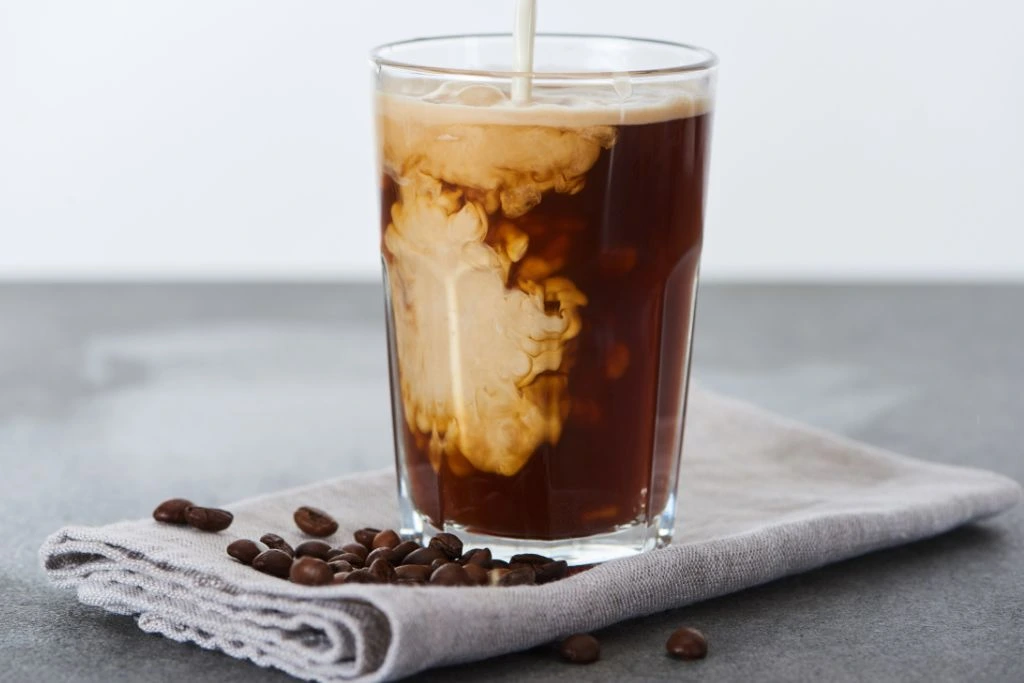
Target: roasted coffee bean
x,y
439,562
383,570
388,538
356,549
412,572
351,558
340,578
277,543
333,553
494,576
423,556
581,648
519,576
274,562
365,537
552,571
480,556
340,566
317,549
499,564
361,576
450,574
244,550
579,569
687,643
172,511
386,554
208,519
530,558
311,571
400,551
315,521
449,544
477,574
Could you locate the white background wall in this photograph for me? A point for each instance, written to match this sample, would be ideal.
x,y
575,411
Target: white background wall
x,y
224,138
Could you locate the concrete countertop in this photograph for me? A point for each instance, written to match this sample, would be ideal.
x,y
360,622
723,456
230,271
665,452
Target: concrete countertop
x,y
113,397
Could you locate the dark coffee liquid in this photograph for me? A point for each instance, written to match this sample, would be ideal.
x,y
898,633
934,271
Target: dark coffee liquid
x,y
631,242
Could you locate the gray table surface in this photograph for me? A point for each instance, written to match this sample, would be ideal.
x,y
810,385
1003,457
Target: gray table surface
x,y
116,396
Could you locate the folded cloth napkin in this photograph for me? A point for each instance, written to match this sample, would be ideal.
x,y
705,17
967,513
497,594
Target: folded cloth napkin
x,y
760,498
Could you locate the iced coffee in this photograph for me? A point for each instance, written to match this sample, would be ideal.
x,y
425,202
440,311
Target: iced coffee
x,y
541,267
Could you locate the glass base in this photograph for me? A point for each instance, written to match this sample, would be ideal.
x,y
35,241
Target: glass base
x,y
624,541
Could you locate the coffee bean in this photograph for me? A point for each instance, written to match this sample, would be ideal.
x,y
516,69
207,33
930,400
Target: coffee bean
x,y
277,543
480,556
423,556
439,562
477,574
340,566
351,558
172,511
208,519
579,569
274,562
530,558
311,571
365,537
687,643
450,574
386,554
340,578
499,564
361,576
244,550
412,572
383,570
494,576
333,553
400,551
315,521
449,544
356,549
317,549
520,576
581,648
386,539
552,571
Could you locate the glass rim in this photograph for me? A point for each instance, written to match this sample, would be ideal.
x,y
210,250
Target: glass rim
x,y
707,61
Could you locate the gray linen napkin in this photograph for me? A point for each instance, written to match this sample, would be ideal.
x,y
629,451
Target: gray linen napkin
x,y
760,498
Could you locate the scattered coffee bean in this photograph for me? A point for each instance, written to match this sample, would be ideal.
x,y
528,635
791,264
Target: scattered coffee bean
x,y
687,643
520,576
439,562
416,573
386,539
552,571
317,549
172,511
530,558
315,521
477,574
494,576
277,543
499,564
352,559
449,544
480,556
340,578
423,556
208,519
274,562
400,551
386,554
340,566
450,574
244,550
361,576
581,648
365,537
383,570
311,571
333,553
578,569
356,549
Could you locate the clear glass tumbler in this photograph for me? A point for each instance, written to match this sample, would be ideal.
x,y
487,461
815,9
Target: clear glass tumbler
x,y
540,265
